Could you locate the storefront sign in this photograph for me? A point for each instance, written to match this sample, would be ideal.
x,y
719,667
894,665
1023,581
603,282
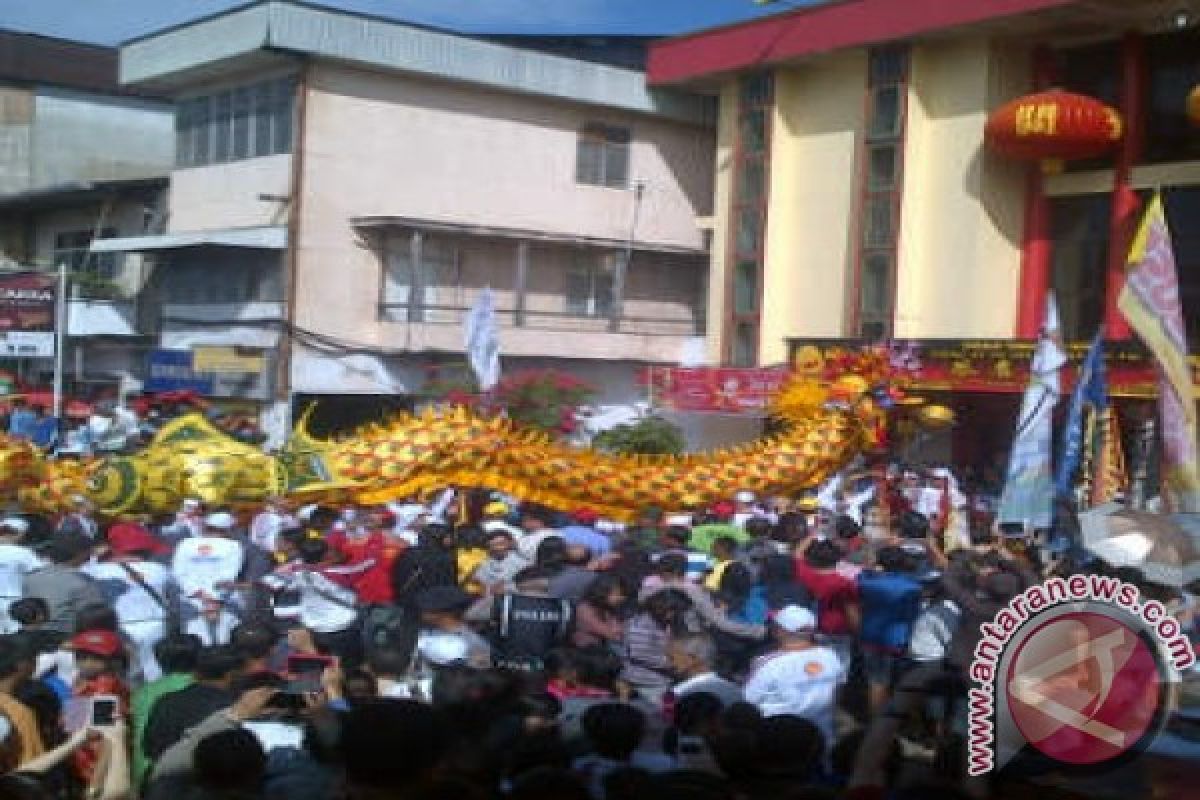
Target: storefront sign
x,y
722,390
227,359
27,308
986,365
174,371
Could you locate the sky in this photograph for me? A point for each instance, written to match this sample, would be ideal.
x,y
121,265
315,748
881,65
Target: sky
x,y
113,21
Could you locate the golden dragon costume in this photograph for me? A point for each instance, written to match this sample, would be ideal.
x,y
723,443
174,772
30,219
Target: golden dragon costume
x,y
822,426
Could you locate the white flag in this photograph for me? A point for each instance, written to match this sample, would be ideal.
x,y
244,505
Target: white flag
x,y
483,341
1028,497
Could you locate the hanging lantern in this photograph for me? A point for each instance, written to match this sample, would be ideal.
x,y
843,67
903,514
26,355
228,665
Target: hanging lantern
x,y
1053,125
1193,106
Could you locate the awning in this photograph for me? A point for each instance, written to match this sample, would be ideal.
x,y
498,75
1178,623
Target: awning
x,y
268,237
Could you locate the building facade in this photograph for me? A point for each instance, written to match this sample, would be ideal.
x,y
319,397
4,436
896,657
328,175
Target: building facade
x,y
81,158
856,199
381,176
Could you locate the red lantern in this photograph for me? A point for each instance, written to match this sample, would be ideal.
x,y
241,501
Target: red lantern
x,y
1053,125
1193,106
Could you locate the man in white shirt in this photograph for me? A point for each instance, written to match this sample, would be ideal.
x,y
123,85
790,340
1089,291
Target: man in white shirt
x,y
269,523
205,567
189,521
328,609
693,658
16,561
141,587
800,677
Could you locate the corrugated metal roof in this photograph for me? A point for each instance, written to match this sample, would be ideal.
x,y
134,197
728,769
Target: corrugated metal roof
x,y
239,40
267,237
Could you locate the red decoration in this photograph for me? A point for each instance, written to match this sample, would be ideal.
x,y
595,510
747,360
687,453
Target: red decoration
x,y
1053,125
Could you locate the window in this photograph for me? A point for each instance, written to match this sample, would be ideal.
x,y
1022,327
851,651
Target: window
x,y
91,273
205,276
602,157
881,185
749,212
1173,64
1080,236
434,285
589,289
234,124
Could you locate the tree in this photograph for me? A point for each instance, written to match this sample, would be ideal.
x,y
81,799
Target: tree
x,y
650,435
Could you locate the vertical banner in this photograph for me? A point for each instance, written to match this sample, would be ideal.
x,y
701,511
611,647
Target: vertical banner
x,y
1150,301
1028,497
483,341
27,307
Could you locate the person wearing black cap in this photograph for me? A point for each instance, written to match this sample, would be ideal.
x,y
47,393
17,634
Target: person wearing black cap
x,y
443,611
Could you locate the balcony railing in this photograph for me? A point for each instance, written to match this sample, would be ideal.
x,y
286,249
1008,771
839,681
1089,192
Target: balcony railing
x,y
547,320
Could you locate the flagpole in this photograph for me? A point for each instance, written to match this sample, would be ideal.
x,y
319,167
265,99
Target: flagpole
x,y
60,325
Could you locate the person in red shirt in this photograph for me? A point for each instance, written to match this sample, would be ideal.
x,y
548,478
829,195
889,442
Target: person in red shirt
x,y
836,594
372,548
100,663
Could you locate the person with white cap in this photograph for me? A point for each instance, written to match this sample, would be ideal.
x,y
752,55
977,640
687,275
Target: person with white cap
x,y
16,561
189,521
204,566
800,677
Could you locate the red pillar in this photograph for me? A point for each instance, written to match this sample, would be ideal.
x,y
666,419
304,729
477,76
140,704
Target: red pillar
x,y
1124,209
1037,247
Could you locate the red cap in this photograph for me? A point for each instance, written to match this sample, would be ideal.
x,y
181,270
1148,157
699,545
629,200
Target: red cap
x,y
724,509
98,643
126,538
387,518
585,516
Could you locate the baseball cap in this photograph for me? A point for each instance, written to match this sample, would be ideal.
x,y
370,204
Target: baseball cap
x,y
723,509
221,520
495,508
795,619
99,643
126,538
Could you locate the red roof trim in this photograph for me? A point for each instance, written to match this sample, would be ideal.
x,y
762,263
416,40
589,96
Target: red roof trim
x,y
818,29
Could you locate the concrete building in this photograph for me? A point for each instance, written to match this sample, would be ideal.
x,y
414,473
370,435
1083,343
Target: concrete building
x,y
856,199
81,158
345,187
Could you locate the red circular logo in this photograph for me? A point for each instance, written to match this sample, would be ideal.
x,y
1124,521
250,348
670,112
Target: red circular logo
x,y
1083,687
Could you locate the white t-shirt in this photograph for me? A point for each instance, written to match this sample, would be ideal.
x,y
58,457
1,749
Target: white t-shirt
x,y
202,562
212,631
134,604
801,682
15,563
266,527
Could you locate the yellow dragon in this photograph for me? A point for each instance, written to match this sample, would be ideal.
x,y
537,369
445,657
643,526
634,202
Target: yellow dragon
x,y
822,426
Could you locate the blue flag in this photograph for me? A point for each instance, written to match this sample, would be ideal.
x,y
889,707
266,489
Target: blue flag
x,y
1091,389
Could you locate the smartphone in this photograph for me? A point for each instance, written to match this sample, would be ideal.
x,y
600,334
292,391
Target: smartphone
x,y
104,710
306,670
286,701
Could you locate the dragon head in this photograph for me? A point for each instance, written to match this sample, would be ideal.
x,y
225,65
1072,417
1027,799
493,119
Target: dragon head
x,y
20,463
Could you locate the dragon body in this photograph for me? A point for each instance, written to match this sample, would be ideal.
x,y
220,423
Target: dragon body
x,y
822,427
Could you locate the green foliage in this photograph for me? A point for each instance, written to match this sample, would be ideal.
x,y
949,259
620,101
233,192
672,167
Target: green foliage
x,y
651,435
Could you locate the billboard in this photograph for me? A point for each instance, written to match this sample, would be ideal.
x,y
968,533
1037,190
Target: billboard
x,y
173,371
28,303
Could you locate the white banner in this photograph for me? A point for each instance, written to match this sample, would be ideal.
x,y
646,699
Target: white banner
x,y
483,341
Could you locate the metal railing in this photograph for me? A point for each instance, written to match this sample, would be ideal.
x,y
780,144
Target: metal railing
x,y
547,320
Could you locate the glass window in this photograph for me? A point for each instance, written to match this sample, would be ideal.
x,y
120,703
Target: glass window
x,y
887,65
184,131
203,140
1173,63
885,112
222,116
881,166
241,124
876,290
756,89
749,230
263,103
745,344
281,120
602,156
754,132
745,288
589,287
878,224
1080,231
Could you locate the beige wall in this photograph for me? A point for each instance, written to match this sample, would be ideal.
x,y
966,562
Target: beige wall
x,y
960,243
818,121
718,272
228,195
387,145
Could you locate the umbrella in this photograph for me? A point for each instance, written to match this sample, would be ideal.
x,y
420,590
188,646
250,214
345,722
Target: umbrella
x,y
1156,544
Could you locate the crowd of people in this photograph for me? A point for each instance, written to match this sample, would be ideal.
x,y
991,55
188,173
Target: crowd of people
x,y
471,646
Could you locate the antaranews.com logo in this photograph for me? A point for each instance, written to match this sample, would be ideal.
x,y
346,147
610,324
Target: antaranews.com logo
x,y
1079,668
